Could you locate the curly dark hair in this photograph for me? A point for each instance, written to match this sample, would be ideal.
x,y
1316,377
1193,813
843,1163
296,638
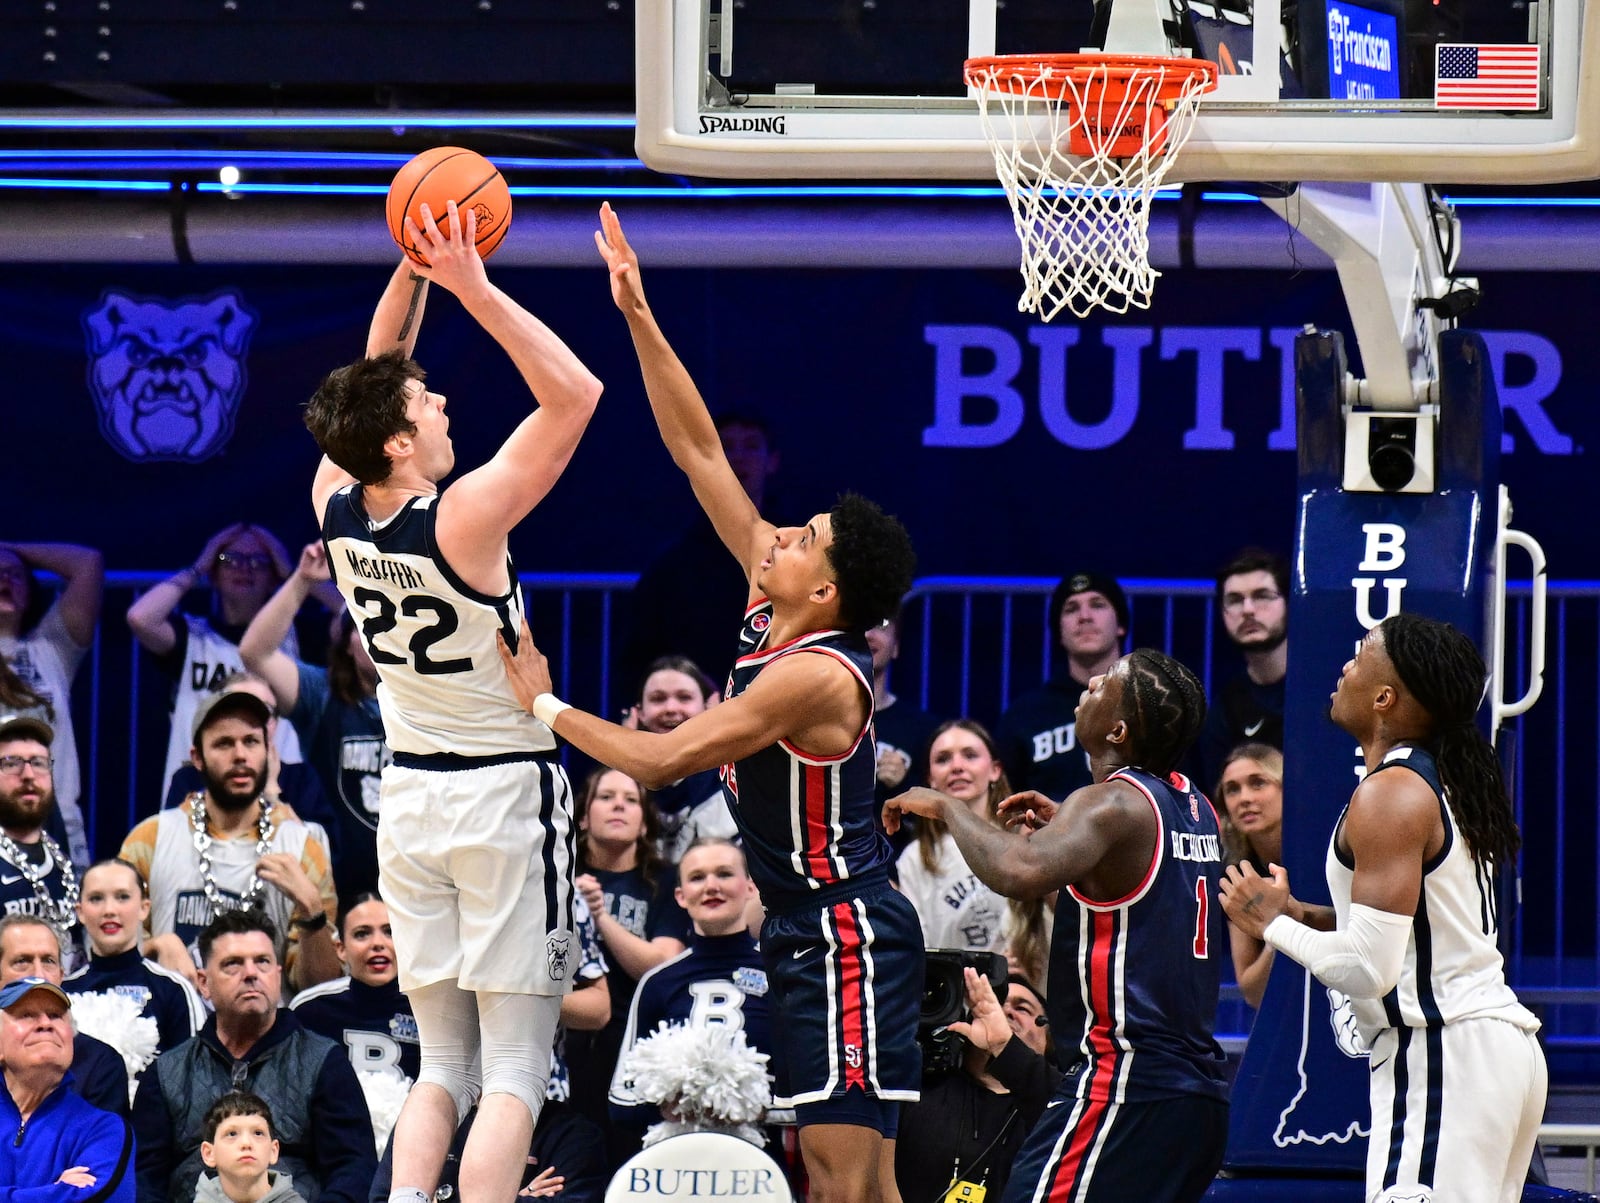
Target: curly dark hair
x,y
357,408
872,562
1444,671
1166,707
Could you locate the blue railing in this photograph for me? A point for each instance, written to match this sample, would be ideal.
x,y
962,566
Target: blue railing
x,y
968,644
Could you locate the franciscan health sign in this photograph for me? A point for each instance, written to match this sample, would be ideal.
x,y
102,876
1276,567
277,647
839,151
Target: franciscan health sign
x,y
1363,53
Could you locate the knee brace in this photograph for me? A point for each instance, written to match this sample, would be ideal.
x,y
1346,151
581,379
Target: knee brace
x,y
447,1031
517,1031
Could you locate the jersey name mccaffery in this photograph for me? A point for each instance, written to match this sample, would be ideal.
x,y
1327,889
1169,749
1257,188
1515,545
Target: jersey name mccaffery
x,y
1187,845
378,568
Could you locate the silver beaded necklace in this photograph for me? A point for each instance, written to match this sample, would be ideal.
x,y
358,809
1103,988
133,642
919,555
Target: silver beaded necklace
x,y
64,912
202,848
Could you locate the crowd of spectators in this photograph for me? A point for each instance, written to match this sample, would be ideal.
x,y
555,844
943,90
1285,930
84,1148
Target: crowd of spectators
x,y
242,919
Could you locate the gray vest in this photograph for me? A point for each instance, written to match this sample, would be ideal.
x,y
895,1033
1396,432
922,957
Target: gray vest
x,y
199,1072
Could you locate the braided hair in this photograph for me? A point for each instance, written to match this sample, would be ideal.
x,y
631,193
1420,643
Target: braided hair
x,y
1168,708
1444,671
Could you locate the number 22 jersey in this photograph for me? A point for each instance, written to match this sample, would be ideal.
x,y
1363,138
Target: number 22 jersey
x,y
442,688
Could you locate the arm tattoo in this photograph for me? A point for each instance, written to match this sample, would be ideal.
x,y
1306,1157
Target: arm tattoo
x,y
417,283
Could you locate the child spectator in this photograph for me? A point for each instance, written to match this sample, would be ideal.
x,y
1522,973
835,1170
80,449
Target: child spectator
x,y
239,1144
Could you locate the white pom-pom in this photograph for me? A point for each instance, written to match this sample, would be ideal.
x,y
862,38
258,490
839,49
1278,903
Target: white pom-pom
x,y
385,1091
703,1079
115,1019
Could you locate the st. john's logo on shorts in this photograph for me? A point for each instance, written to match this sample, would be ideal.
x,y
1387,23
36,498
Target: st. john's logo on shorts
x,y
167,376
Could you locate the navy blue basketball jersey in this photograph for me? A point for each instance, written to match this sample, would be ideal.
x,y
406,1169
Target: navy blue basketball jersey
x,y
1134,980
806,820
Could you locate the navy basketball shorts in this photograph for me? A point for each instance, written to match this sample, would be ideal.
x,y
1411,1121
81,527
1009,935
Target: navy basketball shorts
x,y
1081,1151
846,978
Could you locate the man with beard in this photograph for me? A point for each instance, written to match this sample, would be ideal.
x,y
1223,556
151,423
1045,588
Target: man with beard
x,y
1253,598
36,874
43,642
225,849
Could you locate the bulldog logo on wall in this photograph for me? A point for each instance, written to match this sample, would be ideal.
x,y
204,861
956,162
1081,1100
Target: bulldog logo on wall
x,y
167,376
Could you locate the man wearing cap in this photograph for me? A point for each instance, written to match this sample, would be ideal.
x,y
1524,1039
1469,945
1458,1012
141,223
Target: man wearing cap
x,y
36,874
31,948
226,848
59,1138
1038,735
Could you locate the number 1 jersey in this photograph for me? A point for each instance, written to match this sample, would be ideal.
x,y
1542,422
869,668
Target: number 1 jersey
x,y
442,688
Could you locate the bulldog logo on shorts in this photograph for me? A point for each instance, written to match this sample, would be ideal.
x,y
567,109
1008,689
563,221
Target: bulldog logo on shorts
x,y
557,950
167,376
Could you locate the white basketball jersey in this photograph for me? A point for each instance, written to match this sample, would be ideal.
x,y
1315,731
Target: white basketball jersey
x,y
1453,968
442,688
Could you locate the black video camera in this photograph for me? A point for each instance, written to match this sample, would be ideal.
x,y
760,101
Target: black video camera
x,y
944,1001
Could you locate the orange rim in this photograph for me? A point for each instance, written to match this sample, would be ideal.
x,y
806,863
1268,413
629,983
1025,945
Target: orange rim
x,y
1111,74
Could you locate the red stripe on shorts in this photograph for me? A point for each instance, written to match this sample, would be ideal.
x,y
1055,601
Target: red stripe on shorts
x,y
852,1007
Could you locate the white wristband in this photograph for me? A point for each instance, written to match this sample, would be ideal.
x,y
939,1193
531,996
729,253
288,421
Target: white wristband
x,y
546,706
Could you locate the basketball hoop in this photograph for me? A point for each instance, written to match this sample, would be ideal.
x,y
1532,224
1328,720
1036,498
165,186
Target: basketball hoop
x,y
1081,143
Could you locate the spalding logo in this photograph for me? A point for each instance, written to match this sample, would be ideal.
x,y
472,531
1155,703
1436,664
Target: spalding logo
x,y
167,377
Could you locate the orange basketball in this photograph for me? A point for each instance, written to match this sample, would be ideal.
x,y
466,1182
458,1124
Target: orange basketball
x,y
449,173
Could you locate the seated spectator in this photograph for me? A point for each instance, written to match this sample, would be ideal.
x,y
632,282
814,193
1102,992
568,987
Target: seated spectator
x,y
718,979
365,1012
240,1143
60,1140
42,880
903,732
113,910
970,1123
334,711
251,1044
1038,733
30,947
44,642
295,785
228,847
629,892
956,909
1251,792
675,690
243,564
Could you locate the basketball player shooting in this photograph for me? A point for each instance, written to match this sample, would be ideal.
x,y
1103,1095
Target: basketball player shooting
x,y
843,949
474,847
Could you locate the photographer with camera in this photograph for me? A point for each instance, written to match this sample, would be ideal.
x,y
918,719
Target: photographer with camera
x,y
982,1097
1142,1112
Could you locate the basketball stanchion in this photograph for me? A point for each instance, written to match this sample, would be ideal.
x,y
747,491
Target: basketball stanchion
x,y
1081,144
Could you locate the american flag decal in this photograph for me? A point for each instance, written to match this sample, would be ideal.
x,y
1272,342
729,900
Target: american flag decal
x,y
1486,77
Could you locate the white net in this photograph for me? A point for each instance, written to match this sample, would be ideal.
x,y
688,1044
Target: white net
x,y
1081,153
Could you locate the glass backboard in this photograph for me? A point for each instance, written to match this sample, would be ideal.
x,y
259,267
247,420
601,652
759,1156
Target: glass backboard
x,y
1430,91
